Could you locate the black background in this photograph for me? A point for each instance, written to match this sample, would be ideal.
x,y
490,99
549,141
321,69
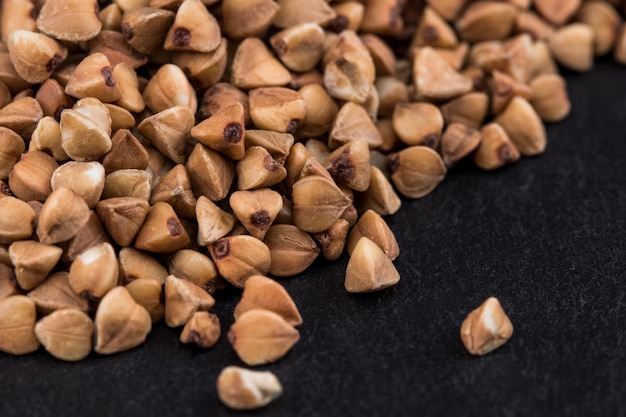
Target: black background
x,y
546,236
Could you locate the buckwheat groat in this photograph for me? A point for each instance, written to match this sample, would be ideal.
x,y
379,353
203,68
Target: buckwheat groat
x,y
486,328
242,389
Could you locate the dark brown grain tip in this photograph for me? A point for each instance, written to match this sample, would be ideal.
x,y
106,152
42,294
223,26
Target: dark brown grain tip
x,y
174,226
394,163
430,140
260,219
127,31
108,77
270,164
339,23
430,34
4,189
194,337
54,62
291,127
13,279
181,37
233,132
281,47
504,153
221,249
343,168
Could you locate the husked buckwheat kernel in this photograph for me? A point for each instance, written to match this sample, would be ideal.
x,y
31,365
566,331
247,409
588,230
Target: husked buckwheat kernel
x,y
15,15
471,109
372,226
416,170
572,46
55,293
549,97
291,250
435,78
369,268
486,328
255,66
261,336
161,231
257,169
194,267
168,130
317,203
34,56
245,18
31,175
194,29
62,216
379,196
183,299
418,124
16,220
295,12
495,149
134,183
202,329
120,323
86,130
130,97
122,217
242,389
135,264
175,189
299,47
169,87
47,138
21,116
486,20
524,127
434,31
210,172
351,123
557,11
86,179
94,272
66,334
17,325
33,261
383,17
261,292
603,19
457,142
240,257
69,20
256,209
213,222
145,28
504,89
148,293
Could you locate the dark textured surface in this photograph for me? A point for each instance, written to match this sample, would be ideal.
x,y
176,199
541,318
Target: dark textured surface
x,y
546,236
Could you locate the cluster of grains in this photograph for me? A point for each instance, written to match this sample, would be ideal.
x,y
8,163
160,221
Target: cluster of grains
x,y
153,152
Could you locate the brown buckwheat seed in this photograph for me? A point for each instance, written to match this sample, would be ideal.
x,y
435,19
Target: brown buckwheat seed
x,y
66,334
486,328
242,389
120,323
17,325
262,336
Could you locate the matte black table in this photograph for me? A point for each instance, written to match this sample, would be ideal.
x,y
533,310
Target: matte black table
x,y
546,236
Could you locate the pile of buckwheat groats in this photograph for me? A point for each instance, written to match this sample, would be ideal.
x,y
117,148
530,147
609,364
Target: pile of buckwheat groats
x,y
153,152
